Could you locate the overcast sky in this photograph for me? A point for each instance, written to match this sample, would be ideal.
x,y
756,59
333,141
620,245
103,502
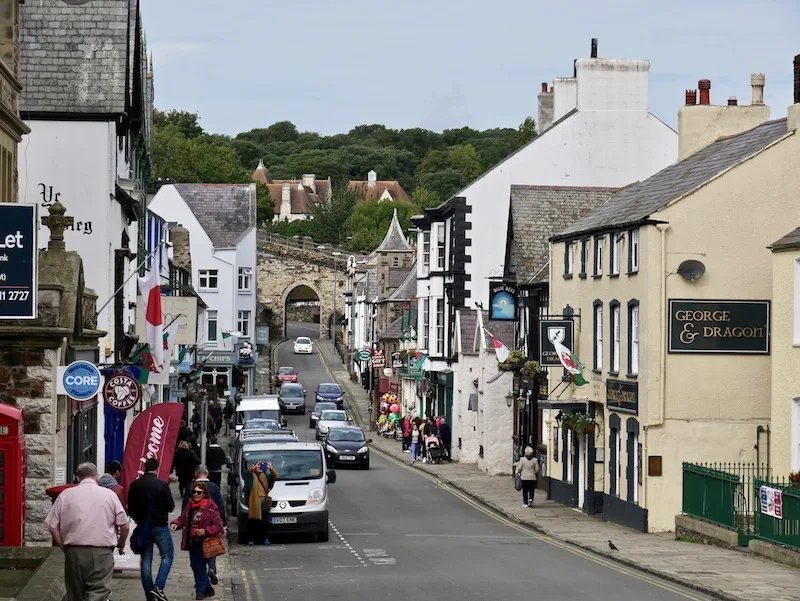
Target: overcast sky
x,y
328,65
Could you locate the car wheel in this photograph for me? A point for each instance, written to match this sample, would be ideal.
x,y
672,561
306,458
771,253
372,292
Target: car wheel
x,y
303,412
323,537
365,465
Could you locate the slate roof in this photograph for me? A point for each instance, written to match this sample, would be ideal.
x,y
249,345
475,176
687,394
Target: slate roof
x,y
789,241
394,331
468,320
394,240
637,202
225,211
74,59
538,212
397,276
407,290
394,188
504,330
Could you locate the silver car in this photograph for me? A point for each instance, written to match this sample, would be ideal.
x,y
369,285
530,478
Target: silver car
x,y
330,418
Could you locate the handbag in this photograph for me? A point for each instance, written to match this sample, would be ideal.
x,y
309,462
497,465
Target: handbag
x,y
517,482
142,536
213,547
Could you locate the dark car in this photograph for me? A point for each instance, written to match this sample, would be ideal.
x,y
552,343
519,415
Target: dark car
x,y
317,411
347,445
292,398
285,374
332,393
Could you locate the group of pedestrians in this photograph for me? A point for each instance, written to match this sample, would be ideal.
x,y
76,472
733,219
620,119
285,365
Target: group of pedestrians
x,y
418,433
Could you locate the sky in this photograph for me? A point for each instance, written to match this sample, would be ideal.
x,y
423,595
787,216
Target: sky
x,y
329,65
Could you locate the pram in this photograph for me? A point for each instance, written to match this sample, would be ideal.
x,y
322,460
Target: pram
x,y
433,450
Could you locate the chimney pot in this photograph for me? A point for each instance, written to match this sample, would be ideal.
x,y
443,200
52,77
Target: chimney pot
x,y
594,47
704,85
544,86
732,101
691,97
757,83
797,79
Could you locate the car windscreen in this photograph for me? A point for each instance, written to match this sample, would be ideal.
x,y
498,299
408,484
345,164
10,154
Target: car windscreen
x,y
329,389
291,464
261,424
333,416
244,416
286,370
340,434
320,407
291,391
304,341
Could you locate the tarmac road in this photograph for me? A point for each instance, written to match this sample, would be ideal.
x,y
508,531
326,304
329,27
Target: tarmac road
x,y
399,535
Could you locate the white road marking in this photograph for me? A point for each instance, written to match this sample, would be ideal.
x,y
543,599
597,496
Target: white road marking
x,y
379,556
353,551
286,568
468,536
362,534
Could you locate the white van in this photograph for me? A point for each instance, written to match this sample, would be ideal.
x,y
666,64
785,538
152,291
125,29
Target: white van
x,y
258,407
299,495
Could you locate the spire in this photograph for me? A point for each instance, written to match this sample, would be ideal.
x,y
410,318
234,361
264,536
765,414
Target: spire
x,y
261,174
395,239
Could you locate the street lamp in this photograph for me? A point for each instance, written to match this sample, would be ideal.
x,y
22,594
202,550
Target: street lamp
x,y
509,399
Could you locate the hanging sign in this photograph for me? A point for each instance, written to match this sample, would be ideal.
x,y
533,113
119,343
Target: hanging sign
x,y
122,392
502,302
378,360
558,330
80,380
19,252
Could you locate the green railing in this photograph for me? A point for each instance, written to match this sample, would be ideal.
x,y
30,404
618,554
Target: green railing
x,y
710,494
783,530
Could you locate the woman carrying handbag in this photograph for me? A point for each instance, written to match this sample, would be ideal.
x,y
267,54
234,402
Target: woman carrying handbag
x,y
202,536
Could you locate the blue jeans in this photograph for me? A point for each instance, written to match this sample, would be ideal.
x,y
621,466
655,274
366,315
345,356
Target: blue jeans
x,y
199,567
414,451
212,564
162,538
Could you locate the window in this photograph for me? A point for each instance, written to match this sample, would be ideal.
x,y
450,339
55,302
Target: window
x,y
613,348
616,251
243,323
633,338
245,275
440,247
209,279
395,261
211,326
426,322
598,335
440,326
633,251
584,257
425,238
796,320
598,256
569,258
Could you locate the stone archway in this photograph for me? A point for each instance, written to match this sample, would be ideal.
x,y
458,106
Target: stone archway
x,y
304,291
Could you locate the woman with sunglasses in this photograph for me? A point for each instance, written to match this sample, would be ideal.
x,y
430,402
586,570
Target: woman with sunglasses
x,y
200,519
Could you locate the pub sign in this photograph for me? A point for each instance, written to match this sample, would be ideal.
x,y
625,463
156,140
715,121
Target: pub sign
x,y
560,330
719,326
19,226
622,395
502,302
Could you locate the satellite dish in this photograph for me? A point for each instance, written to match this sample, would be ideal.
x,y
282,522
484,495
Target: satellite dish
x,y
691,270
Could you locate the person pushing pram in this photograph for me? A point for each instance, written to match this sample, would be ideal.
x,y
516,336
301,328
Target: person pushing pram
x,y
433,448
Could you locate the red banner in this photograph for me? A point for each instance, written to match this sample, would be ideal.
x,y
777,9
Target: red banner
x,y
153,433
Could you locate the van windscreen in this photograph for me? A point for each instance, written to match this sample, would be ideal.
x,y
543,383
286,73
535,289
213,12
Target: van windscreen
x,y
243,416
291,464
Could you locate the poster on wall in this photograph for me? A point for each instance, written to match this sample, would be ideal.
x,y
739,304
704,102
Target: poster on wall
x,y
771,502
502,301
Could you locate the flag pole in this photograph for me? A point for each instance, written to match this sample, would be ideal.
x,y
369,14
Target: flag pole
x,y
129,278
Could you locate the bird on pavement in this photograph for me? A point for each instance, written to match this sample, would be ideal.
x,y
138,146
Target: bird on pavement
x,y
612,546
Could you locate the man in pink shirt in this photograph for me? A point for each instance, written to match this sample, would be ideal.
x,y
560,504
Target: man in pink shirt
x,y
87,522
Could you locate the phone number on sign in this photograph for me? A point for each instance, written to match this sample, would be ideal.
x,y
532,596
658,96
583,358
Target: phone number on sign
x,y
14,295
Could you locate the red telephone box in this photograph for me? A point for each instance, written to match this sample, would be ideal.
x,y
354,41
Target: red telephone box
x,y
13,471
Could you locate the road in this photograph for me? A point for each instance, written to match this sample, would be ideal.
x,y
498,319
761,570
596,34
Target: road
x,y
398,535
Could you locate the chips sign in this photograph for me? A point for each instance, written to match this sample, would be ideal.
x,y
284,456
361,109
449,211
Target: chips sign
x,y
363,355
122,392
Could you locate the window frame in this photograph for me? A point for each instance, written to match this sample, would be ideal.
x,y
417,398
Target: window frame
x,y
597,335
244,274
584,257
633,251
207,275
441,246
614,337
440,323
634,346
615,251
597,266
243,317
426,251
426,323
212,337
569,259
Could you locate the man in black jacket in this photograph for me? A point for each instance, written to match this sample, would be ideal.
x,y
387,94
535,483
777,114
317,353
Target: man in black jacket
x,y
150,499
201,475
215,459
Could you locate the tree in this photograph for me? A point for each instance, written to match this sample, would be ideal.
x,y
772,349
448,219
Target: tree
x,y
265,209
443,183
282,131
329,218
186,122
464,159
370,221
527,132
425,199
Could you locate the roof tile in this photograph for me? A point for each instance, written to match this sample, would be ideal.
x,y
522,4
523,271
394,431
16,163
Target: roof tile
x,y
225,211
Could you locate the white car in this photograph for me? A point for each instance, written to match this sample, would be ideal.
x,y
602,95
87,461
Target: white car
x,y
303,345
330,418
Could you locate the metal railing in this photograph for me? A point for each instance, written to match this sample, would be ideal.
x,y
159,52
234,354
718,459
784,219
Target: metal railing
x,y
305,244
783,526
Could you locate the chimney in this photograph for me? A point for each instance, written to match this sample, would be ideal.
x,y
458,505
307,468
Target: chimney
x,y
691,97
732,101
705,91
793,116
757,83
286,199
594,48
372,179
181,251
544,118
797,79
310,181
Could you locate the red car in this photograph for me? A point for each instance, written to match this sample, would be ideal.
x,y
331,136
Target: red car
x,y
285,374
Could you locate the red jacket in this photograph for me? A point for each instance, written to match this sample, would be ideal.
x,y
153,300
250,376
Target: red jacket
x,y
210,521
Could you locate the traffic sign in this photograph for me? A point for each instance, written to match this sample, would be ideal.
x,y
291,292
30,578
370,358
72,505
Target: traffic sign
x,y
122,392
80,380
363,355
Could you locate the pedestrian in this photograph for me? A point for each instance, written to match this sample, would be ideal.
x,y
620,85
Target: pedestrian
x,y
228,414
528,469
415,434
110,479
195,420
407,434
150,501
199,520
215,459
201,475
260,480
87,521
447,437
184,464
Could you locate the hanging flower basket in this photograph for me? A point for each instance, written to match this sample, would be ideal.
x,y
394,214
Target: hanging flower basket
x,y
585,424
531,369
514,362
794,479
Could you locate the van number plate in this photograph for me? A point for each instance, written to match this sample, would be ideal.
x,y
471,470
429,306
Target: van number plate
x,y
283,520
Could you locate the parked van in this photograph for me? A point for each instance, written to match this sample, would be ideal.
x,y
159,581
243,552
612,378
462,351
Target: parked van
x,y
300,494
258,407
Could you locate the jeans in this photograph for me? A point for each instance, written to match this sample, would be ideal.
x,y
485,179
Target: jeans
x,y
212,564
162,538
414,451
528,486
199,567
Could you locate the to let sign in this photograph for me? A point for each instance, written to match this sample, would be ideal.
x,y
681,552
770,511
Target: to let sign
x,y
18,265
622,395
718,326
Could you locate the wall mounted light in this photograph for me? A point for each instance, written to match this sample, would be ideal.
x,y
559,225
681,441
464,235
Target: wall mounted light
x,y
509,399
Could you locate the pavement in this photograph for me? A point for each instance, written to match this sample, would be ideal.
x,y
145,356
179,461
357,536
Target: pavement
x,y
719,573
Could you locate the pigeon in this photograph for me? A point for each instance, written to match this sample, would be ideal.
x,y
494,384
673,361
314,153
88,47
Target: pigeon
x,y
612,546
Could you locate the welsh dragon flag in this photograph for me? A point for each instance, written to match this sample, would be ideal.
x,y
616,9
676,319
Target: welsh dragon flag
x,y
571,363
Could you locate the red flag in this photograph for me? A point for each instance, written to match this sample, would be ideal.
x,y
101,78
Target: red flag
x,y
153,433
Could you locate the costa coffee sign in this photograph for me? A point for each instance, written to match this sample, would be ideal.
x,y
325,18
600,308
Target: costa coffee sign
x,y
122,392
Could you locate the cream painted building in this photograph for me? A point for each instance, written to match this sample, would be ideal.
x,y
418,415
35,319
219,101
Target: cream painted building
x,y
784,448
670,284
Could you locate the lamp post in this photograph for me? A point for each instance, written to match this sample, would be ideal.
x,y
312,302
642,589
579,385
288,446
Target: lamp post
x,y
509,399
